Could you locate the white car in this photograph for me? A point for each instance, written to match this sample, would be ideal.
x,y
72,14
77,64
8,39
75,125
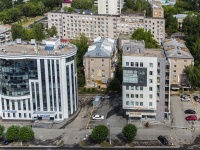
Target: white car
x,y
97,117
185,99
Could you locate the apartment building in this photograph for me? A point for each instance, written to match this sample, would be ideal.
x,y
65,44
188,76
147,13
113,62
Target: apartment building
x,y
145,87
156,9
5,34
66,3
164,2
110,7
38,80
179,57
70,25
180,18
99,62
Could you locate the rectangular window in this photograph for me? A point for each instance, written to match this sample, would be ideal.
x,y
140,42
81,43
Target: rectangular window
x,y
141,64
150,80
127,87
150,88
132,103
185,61
150,96
136,103
141,103
150,103
19,105
150,72
132,95
29,115
14,115
175,60
24,115
132,64
175,66
136,64
60,116
174,71
151,65
127,63
20,115
136,95
127,95
141,88
127,102
9,115
141,95
132,87
136,88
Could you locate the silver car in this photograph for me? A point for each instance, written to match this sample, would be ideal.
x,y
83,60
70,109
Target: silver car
x,y
185,99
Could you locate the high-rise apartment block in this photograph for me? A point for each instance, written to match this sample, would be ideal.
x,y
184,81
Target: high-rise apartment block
x,y
38,80
110,7
145,86
157,10
70,25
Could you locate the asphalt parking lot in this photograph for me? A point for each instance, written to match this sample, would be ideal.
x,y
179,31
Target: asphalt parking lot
x,y
178,116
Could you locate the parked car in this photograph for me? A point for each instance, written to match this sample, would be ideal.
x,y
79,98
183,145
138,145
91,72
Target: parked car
x,y
6,142
97,117
186,99
190,111
196,98
163,140
185,95
191,118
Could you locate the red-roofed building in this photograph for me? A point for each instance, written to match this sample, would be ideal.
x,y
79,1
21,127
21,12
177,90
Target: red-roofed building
x,y
66,3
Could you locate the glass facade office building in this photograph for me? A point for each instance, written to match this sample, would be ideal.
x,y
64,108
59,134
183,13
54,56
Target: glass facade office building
x,y
38,84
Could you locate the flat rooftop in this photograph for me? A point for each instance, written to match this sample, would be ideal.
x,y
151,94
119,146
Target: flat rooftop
x,y
147,53
27,49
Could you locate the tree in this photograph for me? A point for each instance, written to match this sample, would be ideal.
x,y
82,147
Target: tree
x,y
26,133
13,132
41,7
171,25
38,32
100,133
17,31
81,43
140,34
114,84
52,31
82,4
129,131
2,128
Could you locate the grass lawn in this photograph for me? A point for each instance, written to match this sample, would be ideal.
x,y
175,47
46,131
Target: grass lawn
x,y
31,21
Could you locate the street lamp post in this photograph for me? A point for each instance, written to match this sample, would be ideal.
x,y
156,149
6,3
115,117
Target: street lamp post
x,y
109,133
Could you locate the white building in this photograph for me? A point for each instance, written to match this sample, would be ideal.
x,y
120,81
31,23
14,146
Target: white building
x,y
38,80
145,87
5,34
110,7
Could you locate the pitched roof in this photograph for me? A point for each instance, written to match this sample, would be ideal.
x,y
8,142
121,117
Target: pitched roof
x,y
101,47
175,48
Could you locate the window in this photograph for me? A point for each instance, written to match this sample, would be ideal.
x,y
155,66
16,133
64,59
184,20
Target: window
x,y
150,72
141,80
150,80
29,115
136,88
185,61
130,76
132,63
92,70
175,60
150,64
175,66
174,76
141,64
127,95
150,88
132,103
141,88
127,87
150,96
132,87
136,103
174,71
14,115
127,63
141,95
102,65
141,103
150,104
60,116
103,60
3,114
8,114
136,95
127,102
92,59
132,95
136,64
20,115
24,115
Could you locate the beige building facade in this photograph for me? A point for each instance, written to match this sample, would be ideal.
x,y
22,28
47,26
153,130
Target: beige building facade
x,y
99,62
179,57
70,25
157,10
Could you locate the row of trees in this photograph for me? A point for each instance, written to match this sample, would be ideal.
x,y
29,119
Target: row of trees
x,y
33,8
38,32
141,6
16,132
101,132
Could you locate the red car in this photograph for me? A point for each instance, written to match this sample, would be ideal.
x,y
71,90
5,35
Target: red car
x,y
191,118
